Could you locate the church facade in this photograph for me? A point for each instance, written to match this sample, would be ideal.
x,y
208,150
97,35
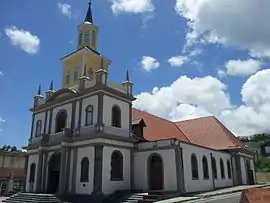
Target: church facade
x,y
87,139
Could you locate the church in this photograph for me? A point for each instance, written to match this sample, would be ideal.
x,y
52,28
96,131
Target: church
x,y
86,138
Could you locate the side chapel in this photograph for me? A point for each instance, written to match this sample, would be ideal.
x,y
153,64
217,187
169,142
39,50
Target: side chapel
x,y
87,139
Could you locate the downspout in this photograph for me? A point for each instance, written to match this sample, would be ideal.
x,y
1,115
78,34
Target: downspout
x,y
213,177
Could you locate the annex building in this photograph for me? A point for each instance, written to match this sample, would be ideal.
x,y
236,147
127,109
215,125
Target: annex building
x,y
87,139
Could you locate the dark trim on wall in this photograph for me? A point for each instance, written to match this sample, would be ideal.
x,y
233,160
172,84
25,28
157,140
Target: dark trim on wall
x,y
73,115
62,179
131,169
178,167
50,121
74,169
98,169
100,109
32,125
44,175
212,171
39,171
80,114
45,123
68,176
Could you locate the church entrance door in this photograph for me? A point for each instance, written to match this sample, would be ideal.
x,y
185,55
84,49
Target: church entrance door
x,y
54,173
155,173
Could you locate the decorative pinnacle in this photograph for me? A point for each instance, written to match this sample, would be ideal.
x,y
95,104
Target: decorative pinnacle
x,y
51,85
89,17
127,76
39,90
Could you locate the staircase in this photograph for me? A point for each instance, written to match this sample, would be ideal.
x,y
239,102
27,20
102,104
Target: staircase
x,y
128,197
32,198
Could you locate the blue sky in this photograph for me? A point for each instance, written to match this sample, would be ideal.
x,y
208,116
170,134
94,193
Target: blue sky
x,y
187,58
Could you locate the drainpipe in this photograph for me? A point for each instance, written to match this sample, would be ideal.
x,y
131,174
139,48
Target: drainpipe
x,y
213,177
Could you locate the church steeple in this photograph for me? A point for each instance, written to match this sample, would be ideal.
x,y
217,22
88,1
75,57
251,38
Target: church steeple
x,y
88,31
89,17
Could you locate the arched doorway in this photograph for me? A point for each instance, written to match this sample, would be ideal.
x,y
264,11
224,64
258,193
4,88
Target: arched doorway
x,y
249,173
155,172
54,173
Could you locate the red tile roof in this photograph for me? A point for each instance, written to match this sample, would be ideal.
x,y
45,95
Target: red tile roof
x,y
207,131
158,128
255,195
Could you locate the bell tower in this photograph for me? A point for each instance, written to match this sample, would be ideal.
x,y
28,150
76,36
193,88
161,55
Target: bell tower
x,y
87,31
85,60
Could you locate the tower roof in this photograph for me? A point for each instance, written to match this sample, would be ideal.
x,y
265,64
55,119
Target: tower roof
x,y
89,17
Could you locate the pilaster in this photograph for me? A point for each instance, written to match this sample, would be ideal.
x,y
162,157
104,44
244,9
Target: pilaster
x,y
62,178
179,169
39,171
98,169
74,170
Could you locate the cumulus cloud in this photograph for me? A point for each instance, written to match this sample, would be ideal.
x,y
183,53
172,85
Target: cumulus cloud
x,y
189,98
149,63
228,22
177,61
24,39
132,6
242,68
66,10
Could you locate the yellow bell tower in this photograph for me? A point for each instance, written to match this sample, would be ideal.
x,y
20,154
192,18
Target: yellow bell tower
x,y
86,56
88,32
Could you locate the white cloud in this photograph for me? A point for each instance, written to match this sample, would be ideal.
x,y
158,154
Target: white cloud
x,y
189,98
221,73
66,10
1,73
149,63
242,68
228,22
178,61
24,39
132,6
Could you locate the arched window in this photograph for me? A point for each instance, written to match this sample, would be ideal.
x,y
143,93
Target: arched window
x,y
116,166
222,169
60,122
214,167
116,116
38,128
80,39
85,170
89,115
76,74
93,38
194,167
205,168
229,169
91,74
32,173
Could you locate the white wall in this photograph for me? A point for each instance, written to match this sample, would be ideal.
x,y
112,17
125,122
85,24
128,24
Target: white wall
x,y
109,186
141,166
86,102
109,102
40,116
85,187
203,184
68,108
32,159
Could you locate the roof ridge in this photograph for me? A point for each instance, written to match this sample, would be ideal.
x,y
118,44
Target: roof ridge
x,y
229,134
193,119
181,131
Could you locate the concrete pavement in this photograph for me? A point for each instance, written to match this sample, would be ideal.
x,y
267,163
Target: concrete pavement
x,y
212,195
